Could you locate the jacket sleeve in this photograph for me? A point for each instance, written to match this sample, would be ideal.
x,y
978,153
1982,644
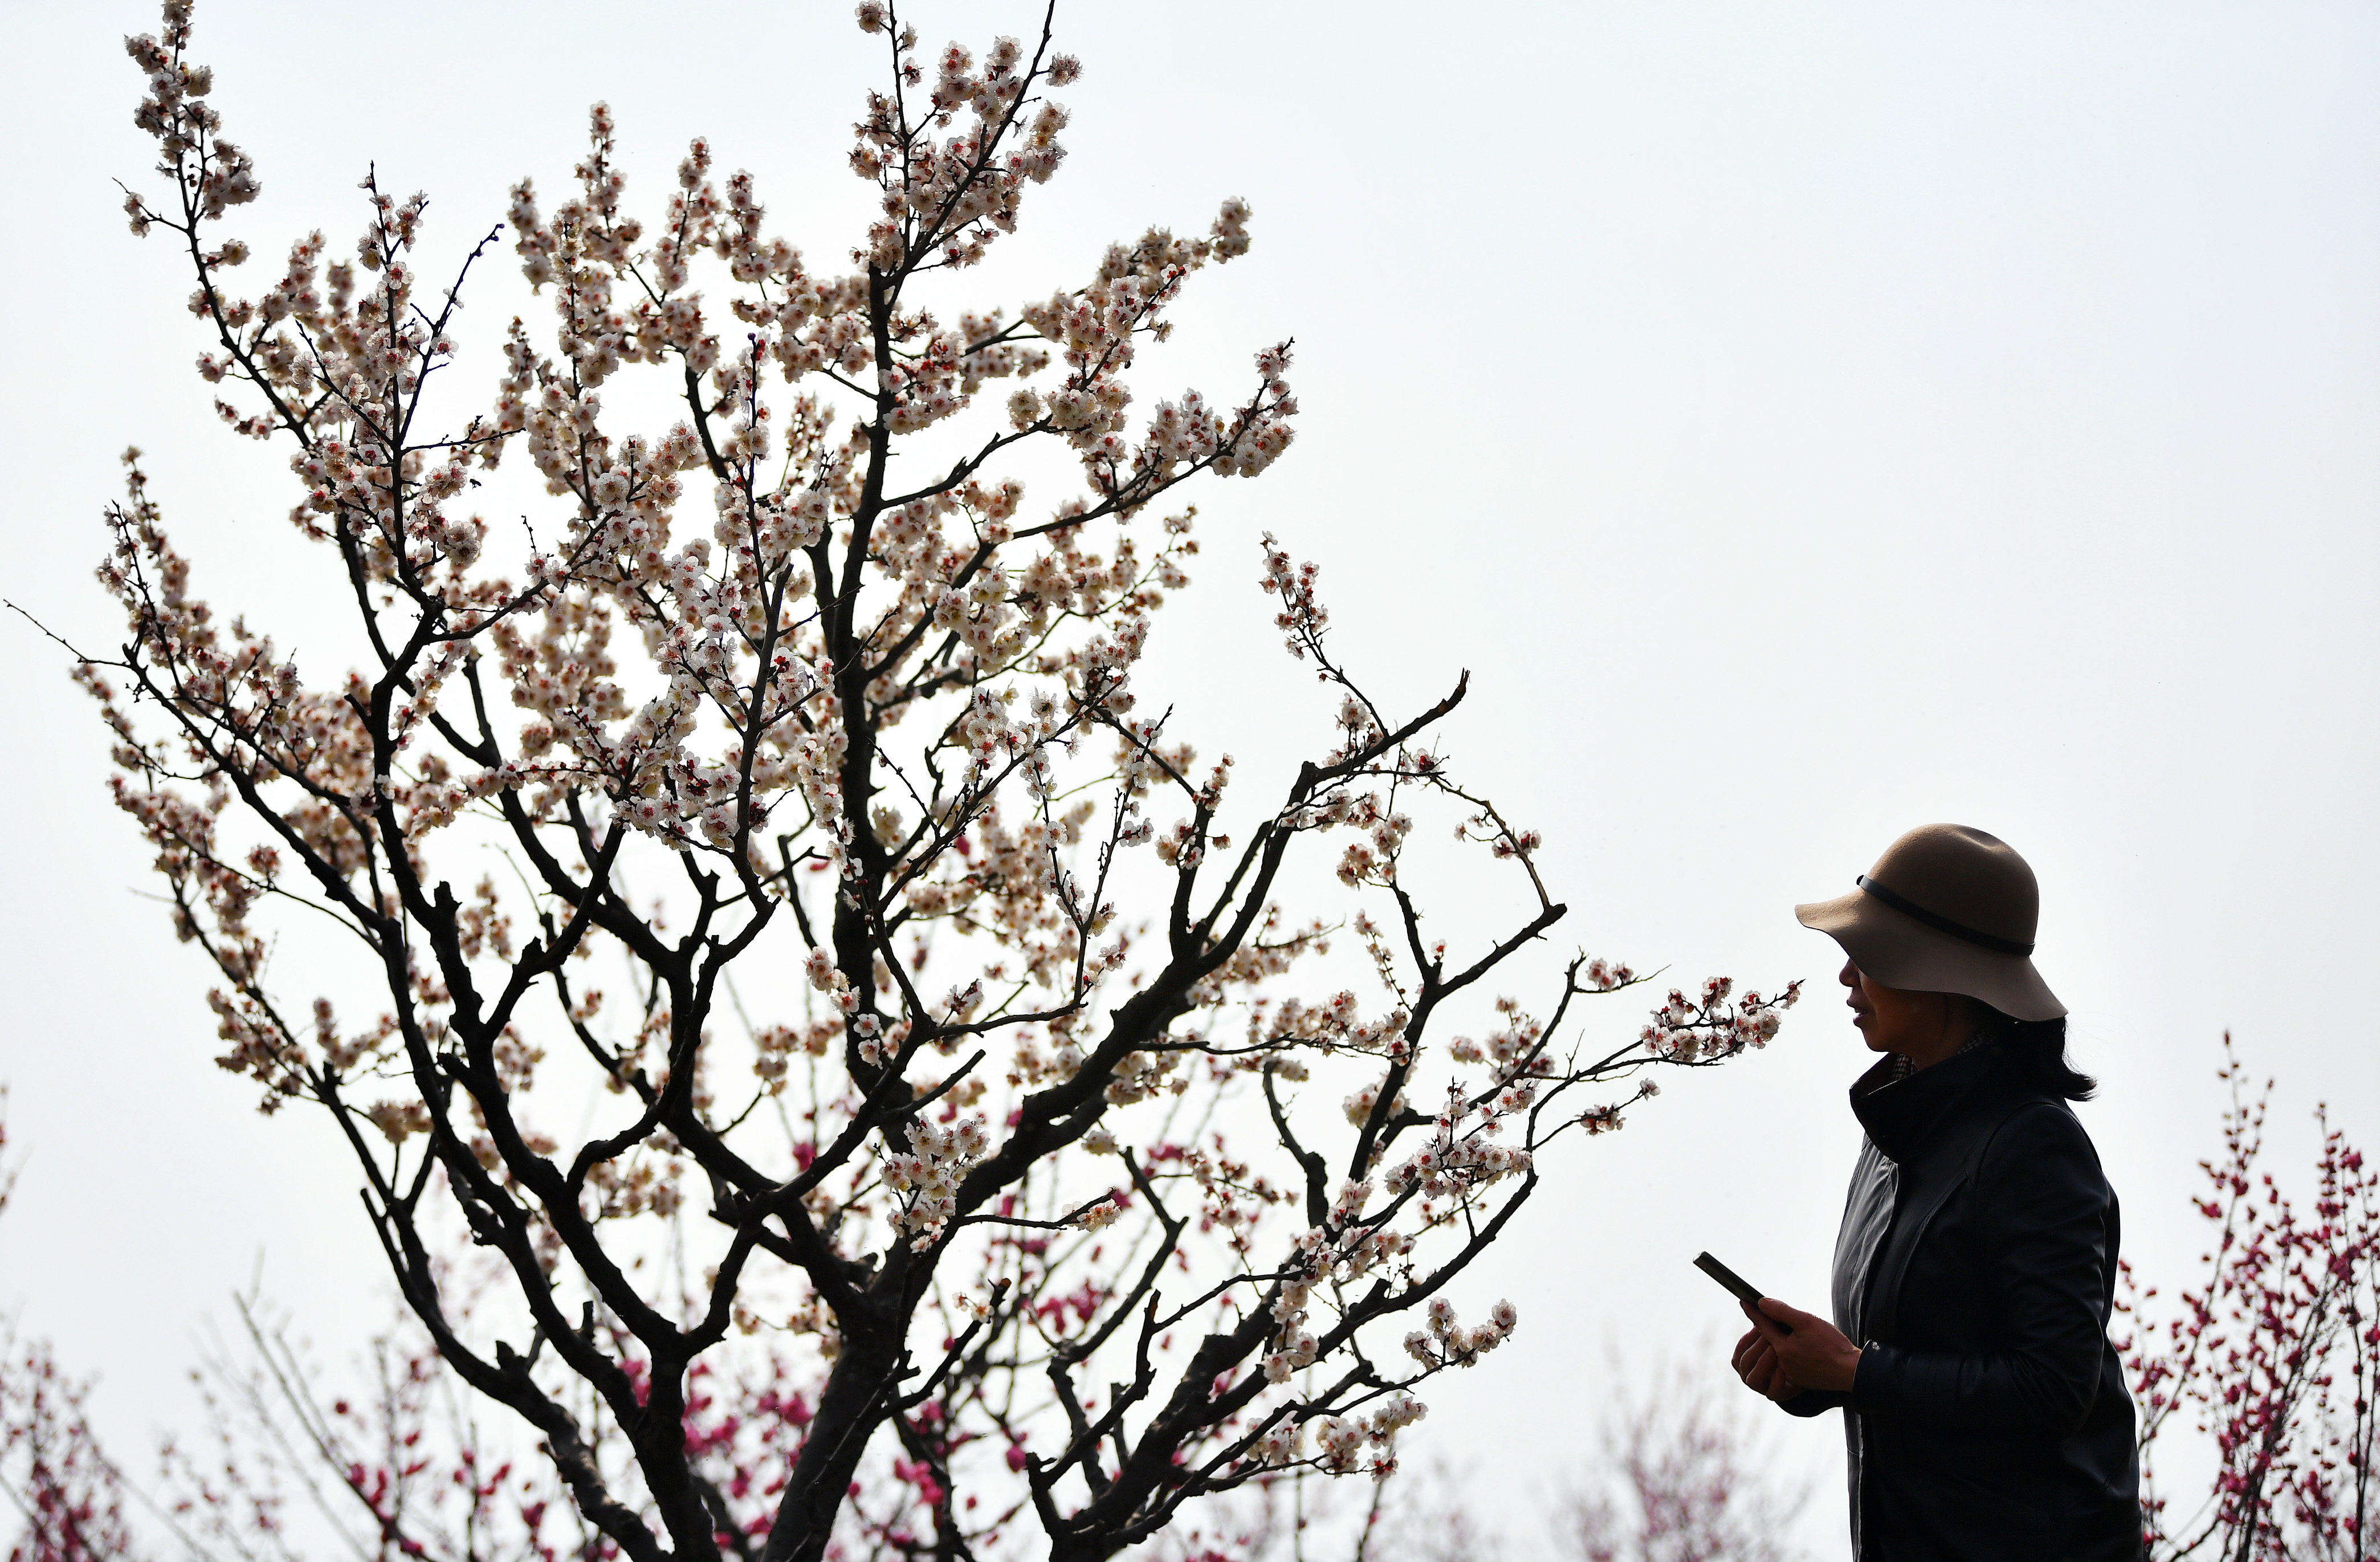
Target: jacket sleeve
x,y
2042,1214
1813,1401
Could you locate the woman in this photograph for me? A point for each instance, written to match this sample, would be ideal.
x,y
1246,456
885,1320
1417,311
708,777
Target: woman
x,y
1985,1409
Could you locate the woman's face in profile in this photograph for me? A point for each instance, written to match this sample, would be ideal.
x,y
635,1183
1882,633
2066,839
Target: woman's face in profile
x,y
1890,1019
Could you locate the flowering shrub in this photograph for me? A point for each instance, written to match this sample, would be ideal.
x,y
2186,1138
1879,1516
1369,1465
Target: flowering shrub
x,y
396,1466
61,1486
917,1213
1684,1477
2276,1354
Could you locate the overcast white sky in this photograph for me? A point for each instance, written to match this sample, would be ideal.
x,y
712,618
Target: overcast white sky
x,y
1804,421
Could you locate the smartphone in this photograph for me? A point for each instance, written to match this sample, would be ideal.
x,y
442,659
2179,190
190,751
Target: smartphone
x,y
1745,1289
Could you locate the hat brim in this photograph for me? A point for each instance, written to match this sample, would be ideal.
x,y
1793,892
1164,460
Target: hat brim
x,y
1901,952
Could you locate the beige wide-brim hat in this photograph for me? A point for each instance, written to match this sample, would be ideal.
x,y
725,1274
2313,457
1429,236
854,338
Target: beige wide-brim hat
x,y
1946,909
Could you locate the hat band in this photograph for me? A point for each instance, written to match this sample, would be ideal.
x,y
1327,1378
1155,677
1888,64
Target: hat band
x,y
1941,924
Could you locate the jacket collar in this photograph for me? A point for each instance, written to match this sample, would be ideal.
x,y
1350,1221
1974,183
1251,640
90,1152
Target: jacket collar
x,y
1903,1111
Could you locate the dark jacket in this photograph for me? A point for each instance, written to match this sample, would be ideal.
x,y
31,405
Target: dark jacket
x,y
1989,1418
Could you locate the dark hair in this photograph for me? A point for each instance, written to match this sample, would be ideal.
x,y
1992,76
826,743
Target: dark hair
x,y
2036,1050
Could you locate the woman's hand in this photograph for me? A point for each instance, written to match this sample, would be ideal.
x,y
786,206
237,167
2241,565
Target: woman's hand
x,y
1756,1364
1814,1355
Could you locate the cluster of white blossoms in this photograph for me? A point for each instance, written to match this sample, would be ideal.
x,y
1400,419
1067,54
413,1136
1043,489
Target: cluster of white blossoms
x,y
651,1182
1303,617
1337,1025
1354,1241
1343,1439
1297,1350
1447,1343
174,112
1463,1155
924,1175
775,1048
1708,1029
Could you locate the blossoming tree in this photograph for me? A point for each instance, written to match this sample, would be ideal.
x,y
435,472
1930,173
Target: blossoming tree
x,y
2274,1354
974,1212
